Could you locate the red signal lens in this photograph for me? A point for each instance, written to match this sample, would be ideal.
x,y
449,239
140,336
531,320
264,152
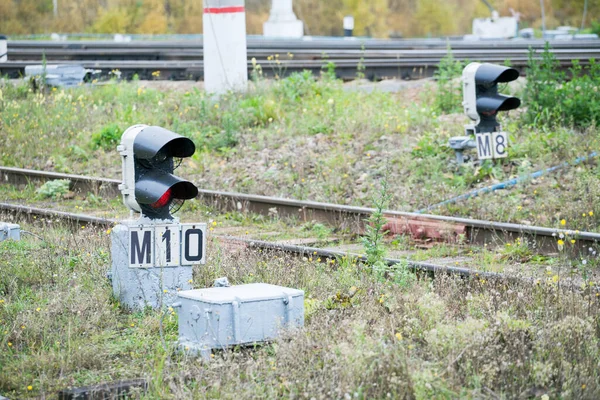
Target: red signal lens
x,y
163,201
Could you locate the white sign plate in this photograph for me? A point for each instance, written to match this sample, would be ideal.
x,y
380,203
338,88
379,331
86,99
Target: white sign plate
x,y
193,244
484,146
166,245
141,247
491,145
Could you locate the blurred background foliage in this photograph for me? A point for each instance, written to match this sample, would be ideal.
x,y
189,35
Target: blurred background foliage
x,y
376,18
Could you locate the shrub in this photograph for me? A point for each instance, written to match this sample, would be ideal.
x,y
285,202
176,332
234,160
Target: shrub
x,y
552,99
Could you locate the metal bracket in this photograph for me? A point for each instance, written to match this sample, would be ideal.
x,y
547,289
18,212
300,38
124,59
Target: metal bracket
x,y
460,144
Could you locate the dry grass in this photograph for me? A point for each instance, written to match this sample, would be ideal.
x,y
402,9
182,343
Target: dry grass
x,y
442,338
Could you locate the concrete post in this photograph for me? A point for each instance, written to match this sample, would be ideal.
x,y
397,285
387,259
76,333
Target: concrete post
x,y
3,49
282,21
225,53
348,25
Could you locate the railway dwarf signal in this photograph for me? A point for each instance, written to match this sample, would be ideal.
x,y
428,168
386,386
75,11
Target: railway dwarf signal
x,y
148,155
481,99
152,256
482,102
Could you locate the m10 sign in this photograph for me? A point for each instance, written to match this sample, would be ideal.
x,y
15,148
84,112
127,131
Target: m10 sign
x,y
168,245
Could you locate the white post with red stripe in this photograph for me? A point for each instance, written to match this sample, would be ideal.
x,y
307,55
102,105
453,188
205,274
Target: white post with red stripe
x,y
225,53
3,49
282,21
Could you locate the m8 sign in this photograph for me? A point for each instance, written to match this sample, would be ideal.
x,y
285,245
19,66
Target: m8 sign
x,y
491,145
168,245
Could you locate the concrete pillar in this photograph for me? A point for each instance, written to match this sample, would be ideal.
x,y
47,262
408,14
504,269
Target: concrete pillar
x,y
3,49
348,25
282,21
225,53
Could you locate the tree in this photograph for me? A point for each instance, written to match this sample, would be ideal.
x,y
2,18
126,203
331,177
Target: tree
x,y
369,17
433,18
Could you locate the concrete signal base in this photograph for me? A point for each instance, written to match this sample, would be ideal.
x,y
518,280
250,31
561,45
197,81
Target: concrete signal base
x,y
137,288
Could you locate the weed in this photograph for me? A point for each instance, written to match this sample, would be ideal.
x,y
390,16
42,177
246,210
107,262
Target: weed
x,y
320,231
337,144
450,336
373,240
257,72
107,138
328,72
54,189
361,67
448,96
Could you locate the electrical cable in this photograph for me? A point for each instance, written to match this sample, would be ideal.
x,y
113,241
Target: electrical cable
x,y
508,183
585,6
33,234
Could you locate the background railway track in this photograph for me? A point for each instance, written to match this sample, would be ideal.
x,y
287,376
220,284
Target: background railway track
x,y
477,232
406,59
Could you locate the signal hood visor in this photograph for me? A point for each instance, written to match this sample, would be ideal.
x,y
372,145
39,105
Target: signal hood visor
x,y
156,142
489,74
497,102
155,184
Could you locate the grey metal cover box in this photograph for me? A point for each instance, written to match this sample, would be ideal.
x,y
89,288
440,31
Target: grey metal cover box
x,y
9,231
224,316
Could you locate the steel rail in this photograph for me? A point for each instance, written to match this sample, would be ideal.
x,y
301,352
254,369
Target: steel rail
x,y
309,44
346,217
301,251
374,69
259,54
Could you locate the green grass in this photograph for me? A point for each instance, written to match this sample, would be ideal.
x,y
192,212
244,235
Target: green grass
x,y
307,139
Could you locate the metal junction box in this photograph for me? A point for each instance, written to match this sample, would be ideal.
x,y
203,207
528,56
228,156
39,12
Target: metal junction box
x,y
219,317
9,231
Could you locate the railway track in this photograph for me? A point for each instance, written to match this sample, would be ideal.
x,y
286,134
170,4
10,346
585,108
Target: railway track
x,y
407,59
45,216
349,218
